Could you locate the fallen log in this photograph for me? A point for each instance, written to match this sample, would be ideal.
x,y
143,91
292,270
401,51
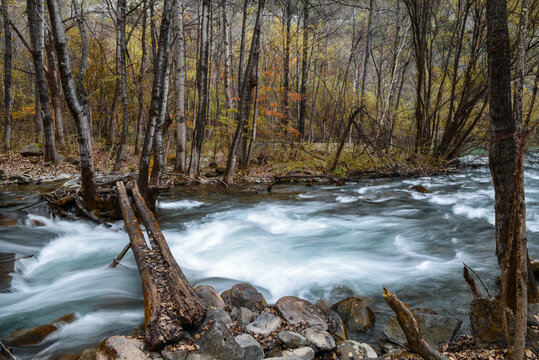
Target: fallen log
x,y
410,327
161,323
190,308
286,178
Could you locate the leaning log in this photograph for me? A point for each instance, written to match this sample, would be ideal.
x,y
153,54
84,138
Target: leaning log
x,y
191,311
410,327
161,323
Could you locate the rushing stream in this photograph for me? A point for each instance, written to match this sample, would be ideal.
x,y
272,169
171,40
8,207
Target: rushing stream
x,y
319,242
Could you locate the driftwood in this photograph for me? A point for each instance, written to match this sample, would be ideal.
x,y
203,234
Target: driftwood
x,y
120,256
288,178
475,290
410,327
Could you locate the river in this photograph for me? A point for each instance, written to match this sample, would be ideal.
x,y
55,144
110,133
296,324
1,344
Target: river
x,y
318,243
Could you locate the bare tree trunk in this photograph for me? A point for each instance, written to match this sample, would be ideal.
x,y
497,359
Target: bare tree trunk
x,y
202,86
255,119
141,111
89,189
35,10
242,45
54,85
227,44
7,76
286,63
179,88
362,99
304,72
123,84
249,81
79,80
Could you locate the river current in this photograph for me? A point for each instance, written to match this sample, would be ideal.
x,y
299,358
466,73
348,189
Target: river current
x,y
319,243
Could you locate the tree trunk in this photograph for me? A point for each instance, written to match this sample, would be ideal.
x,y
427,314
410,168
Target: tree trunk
x,y
304,72
54,86
179,88
7,76
242,45
286,64
141,111
123,85
227,44
35,10
89,189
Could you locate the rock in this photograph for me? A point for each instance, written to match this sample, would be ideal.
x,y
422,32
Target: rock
x,y
535,268
244,316
244,295
291,339
421,189
7,264
436,329
121,348
336,326
218,344
88,354
355,314
533,315
218,315
32,149
253,350
180,354
35,335
304,353
350,350
3,175
486,322
295,310
72,160
20,179
265,323
209,296
321,339
389,348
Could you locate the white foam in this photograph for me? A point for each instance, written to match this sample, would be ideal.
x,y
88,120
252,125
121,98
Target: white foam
x,y
180,204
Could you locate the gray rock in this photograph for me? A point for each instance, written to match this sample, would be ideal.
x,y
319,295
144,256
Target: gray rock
x,y
291,339
355,314
304,353
436,329
353,350
3,175
75,182
32,149
20,179
209,296
244,295
244,316
321,339
174,355
253,350
265,323
336,326
295,310
218,315
533,315
121,348
218,344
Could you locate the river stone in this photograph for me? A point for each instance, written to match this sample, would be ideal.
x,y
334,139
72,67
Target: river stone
x,y
253,350
20,179
36,335
355,314
180,354
295,310
244,316
420,189
264,324
304,353
321,339
218,315
32,149
88,354
436,329
244,295
217,343
210,298
353,350
121,348
291,339
336,326
3,175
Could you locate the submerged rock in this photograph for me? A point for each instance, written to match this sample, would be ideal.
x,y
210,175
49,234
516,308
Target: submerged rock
x,y
436,329
209,296
35,335
217,343
295,310
355,314
253,350
244,295
321,339
265,323
121,348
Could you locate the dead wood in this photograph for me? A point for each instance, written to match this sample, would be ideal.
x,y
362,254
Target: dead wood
x,y
410,327
120,256
290,178
475,290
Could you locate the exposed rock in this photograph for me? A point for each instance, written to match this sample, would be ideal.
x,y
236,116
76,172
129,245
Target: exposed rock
x,y
37,223
355,314
421,189
244,295
244,316
218,344
253,350
7,221
295,310
486,323
72,160
291,339
533,314
3,175
180,354
121,348
35,335
20,179
436,329
321,339
336,326
350,350
218,315
32,149
88,354
304,353
265,323
210,298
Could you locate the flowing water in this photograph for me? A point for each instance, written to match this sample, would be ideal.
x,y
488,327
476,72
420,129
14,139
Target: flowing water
x,y
319,243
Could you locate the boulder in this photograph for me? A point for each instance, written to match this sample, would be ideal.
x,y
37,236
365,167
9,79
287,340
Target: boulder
x,y
210,298
291,339
20,179
217,315
32,149
336,326
304,353
253,350
321,339
295,310
36,335
217,343
436,329
486,322
178,354
355,314
244,295
264,324
353,350
243,316
121,348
